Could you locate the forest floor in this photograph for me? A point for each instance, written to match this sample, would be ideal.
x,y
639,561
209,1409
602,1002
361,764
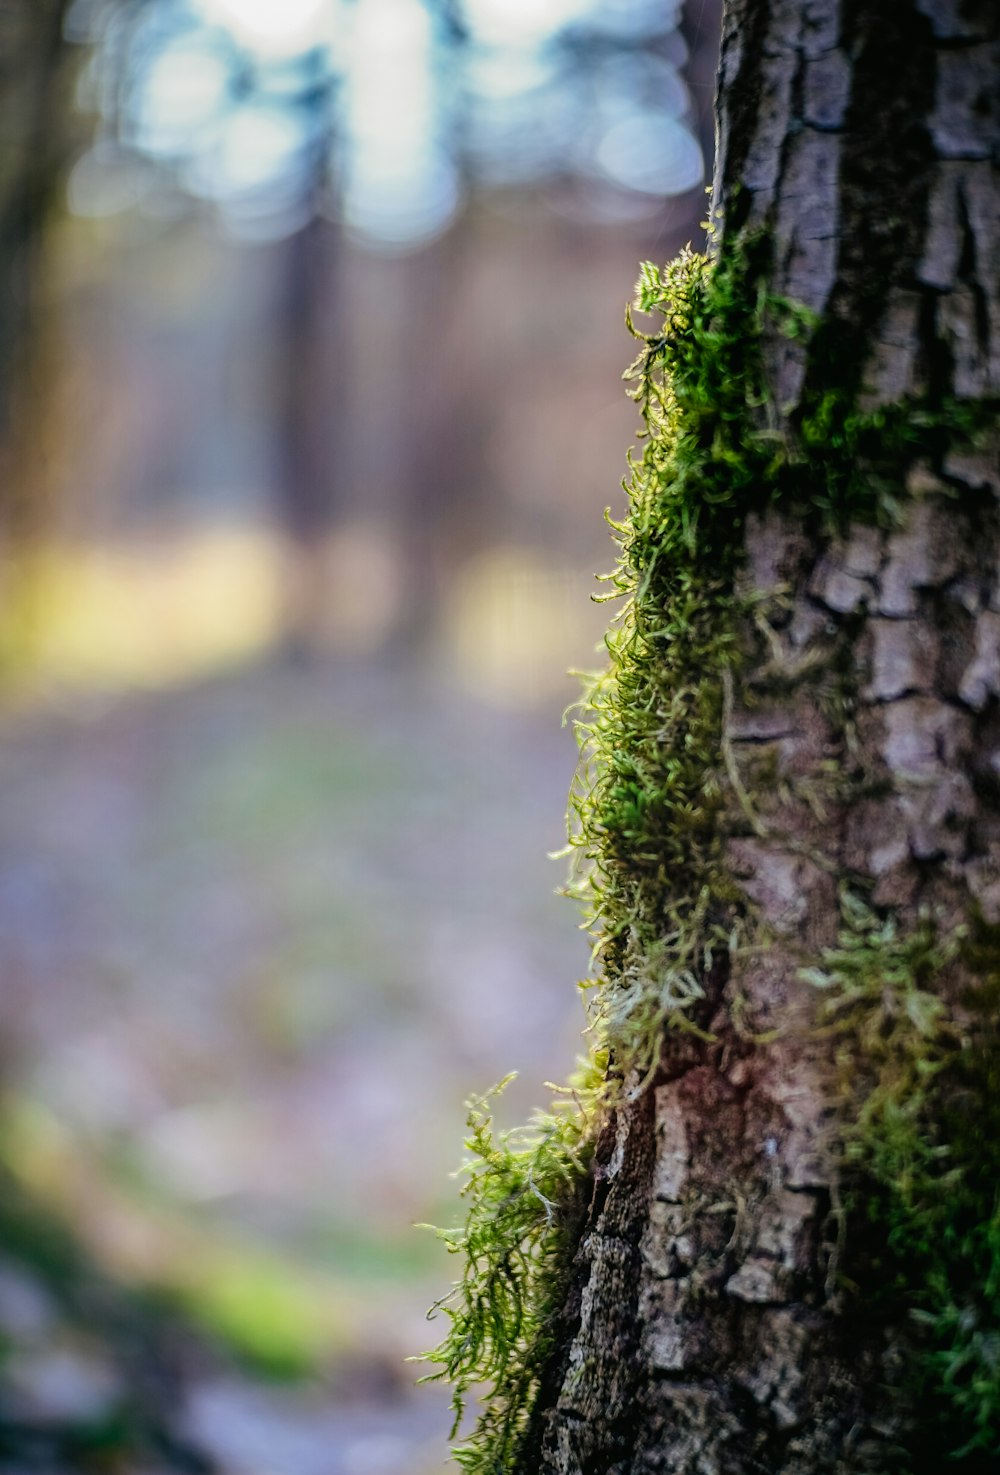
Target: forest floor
x,y
259,939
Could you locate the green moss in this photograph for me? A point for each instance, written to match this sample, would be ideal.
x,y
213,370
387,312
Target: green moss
x,y
644,828
647,810
523,1190
921,1217
653,780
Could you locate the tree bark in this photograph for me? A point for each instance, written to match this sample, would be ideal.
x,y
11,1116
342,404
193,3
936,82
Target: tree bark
x,y
706,1328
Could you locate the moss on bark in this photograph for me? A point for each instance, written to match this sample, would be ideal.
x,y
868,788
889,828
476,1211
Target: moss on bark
x,y
648,830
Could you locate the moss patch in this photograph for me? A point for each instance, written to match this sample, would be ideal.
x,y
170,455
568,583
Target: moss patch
x,y
921,1085
525,1203
646,811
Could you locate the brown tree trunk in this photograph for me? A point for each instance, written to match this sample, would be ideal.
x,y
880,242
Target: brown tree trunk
x,y
34,138
708,1327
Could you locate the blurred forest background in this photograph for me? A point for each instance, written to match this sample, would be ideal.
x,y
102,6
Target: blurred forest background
x,y
310,348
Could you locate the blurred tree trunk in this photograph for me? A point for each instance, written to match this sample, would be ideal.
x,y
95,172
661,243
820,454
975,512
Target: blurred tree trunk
x,y
34,108
707,1327
312,374
449,506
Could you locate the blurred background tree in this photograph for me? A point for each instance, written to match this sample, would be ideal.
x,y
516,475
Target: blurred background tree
x,y
35,143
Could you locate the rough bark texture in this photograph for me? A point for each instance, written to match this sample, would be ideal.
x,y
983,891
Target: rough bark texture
x,y
704,1331
864,139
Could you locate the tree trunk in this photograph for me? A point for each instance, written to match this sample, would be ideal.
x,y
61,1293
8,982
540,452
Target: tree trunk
x,y
34,107
771,1198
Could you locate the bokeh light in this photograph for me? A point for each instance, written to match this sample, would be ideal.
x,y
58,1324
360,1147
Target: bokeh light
x,y
417,106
